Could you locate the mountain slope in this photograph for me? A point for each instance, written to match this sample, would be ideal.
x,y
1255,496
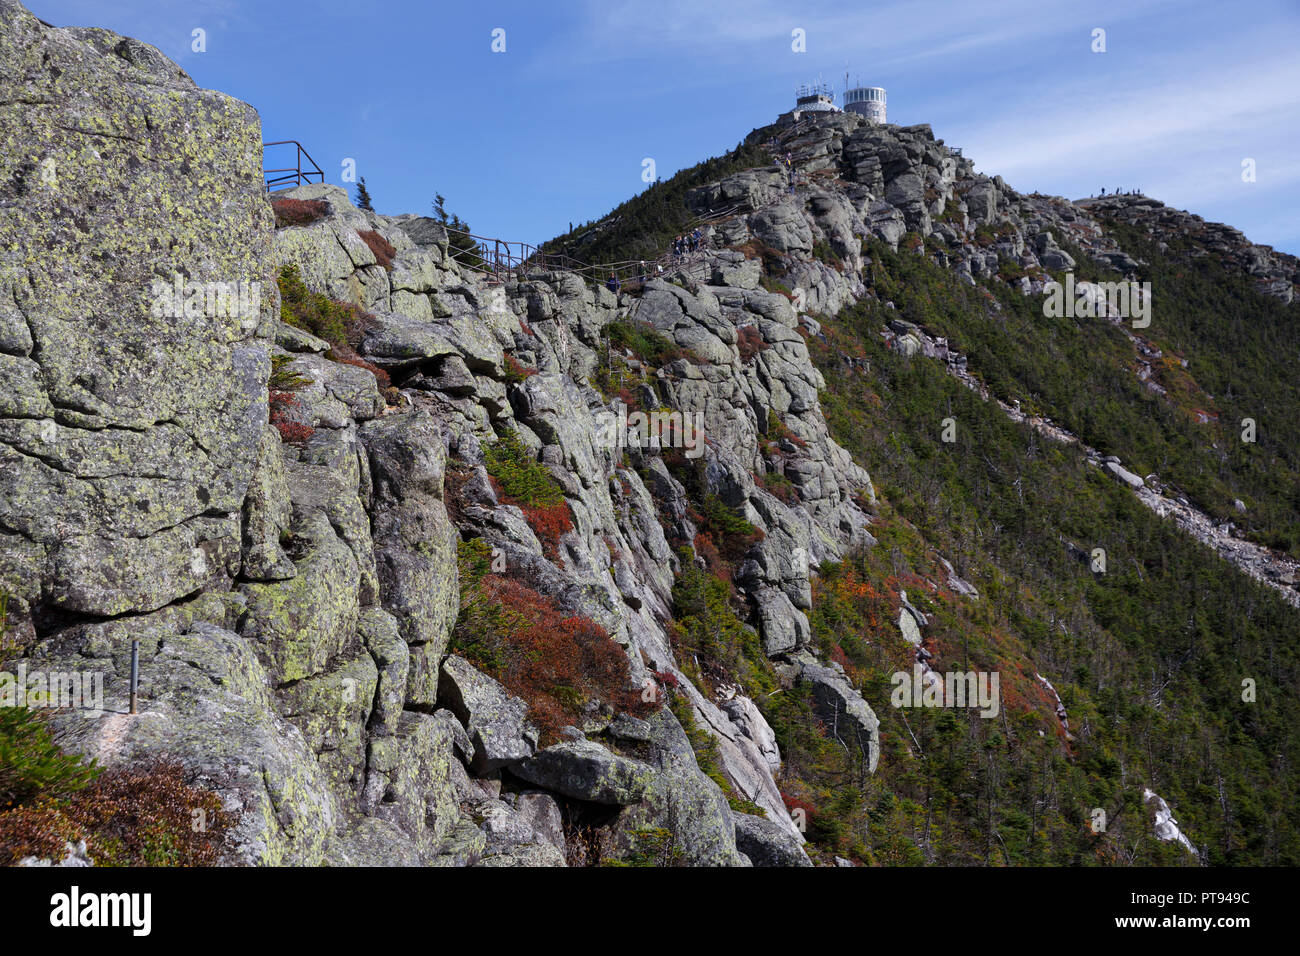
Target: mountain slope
x,y
433,565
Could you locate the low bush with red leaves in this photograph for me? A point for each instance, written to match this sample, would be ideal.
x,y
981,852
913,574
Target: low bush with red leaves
x,y
348,357
516,371
286,415
556,662
381,247
148,814
749,342
299,212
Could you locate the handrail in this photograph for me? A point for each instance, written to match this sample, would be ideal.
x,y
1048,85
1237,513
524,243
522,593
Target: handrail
x,y
502,259
292,174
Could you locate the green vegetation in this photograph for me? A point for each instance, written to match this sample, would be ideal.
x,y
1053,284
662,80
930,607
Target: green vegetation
x,y
338,323
463,248
1148,658
283,378
710,642
644,226
31,763
521,476
1080,372
642,341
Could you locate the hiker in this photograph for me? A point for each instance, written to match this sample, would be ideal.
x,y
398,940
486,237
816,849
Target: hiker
x,y
642,275
699,237
612,284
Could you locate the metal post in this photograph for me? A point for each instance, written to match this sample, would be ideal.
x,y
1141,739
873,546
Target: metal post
x,y
135,674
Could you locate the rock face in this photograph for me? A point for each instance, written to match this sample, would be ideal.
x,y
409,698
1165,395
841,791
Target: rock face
x,y
295,601
130,423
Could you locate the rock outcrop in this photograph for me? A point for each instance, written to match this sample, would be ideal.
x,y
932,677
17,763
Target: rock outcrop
x,y
295,592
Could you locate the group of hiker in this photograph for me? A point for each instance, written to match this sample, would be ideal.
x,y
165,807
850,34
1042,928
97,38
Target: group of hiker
x,y
788,165
682,245
688,242
1124,192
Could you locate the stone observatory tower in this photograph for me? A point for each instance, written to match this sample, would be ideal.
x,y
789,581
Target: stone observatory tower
x,y
868,101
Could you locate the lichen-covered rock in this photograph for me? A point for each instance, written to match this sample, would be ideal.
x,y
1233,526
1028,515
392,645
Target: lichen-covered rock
x,y
680,799
205,701
415,542
411,783
767,843
125,462
497,722
585,770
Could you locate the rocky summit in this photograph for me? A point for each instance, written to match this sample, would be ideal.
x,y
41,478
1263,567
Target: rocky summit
x,y
431,559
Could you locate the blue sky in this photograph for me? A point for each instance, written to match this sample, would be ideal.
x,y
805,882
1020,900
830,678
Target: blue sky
x,y
555,128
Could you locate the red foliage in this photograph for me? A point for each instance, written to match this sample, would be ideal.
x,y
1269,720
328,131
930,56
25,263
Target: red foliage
x,y
283,406
557,663
667,679
713,559
146,814
517,371
749,342
793,803
381,247
294,433
299,212
549,523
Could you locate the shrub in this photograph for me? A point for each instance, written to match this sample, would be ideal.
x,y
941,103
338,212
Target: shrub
x,y
707,631
341,324
148,814
31,763
558,663
284,415
822,250
644,342
351,358
283,378
294,433
519,475
516,371
733,533
381,247
779,486
749,342
299,212
777,429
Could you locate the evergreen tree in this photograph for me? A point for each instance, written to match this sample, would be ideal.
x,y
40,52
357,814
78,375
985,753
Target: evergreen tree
x,y
363,196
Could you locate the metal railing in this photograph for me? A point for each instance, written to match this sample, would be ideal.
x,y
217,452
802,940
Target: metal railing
x,y
295,175
503,260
